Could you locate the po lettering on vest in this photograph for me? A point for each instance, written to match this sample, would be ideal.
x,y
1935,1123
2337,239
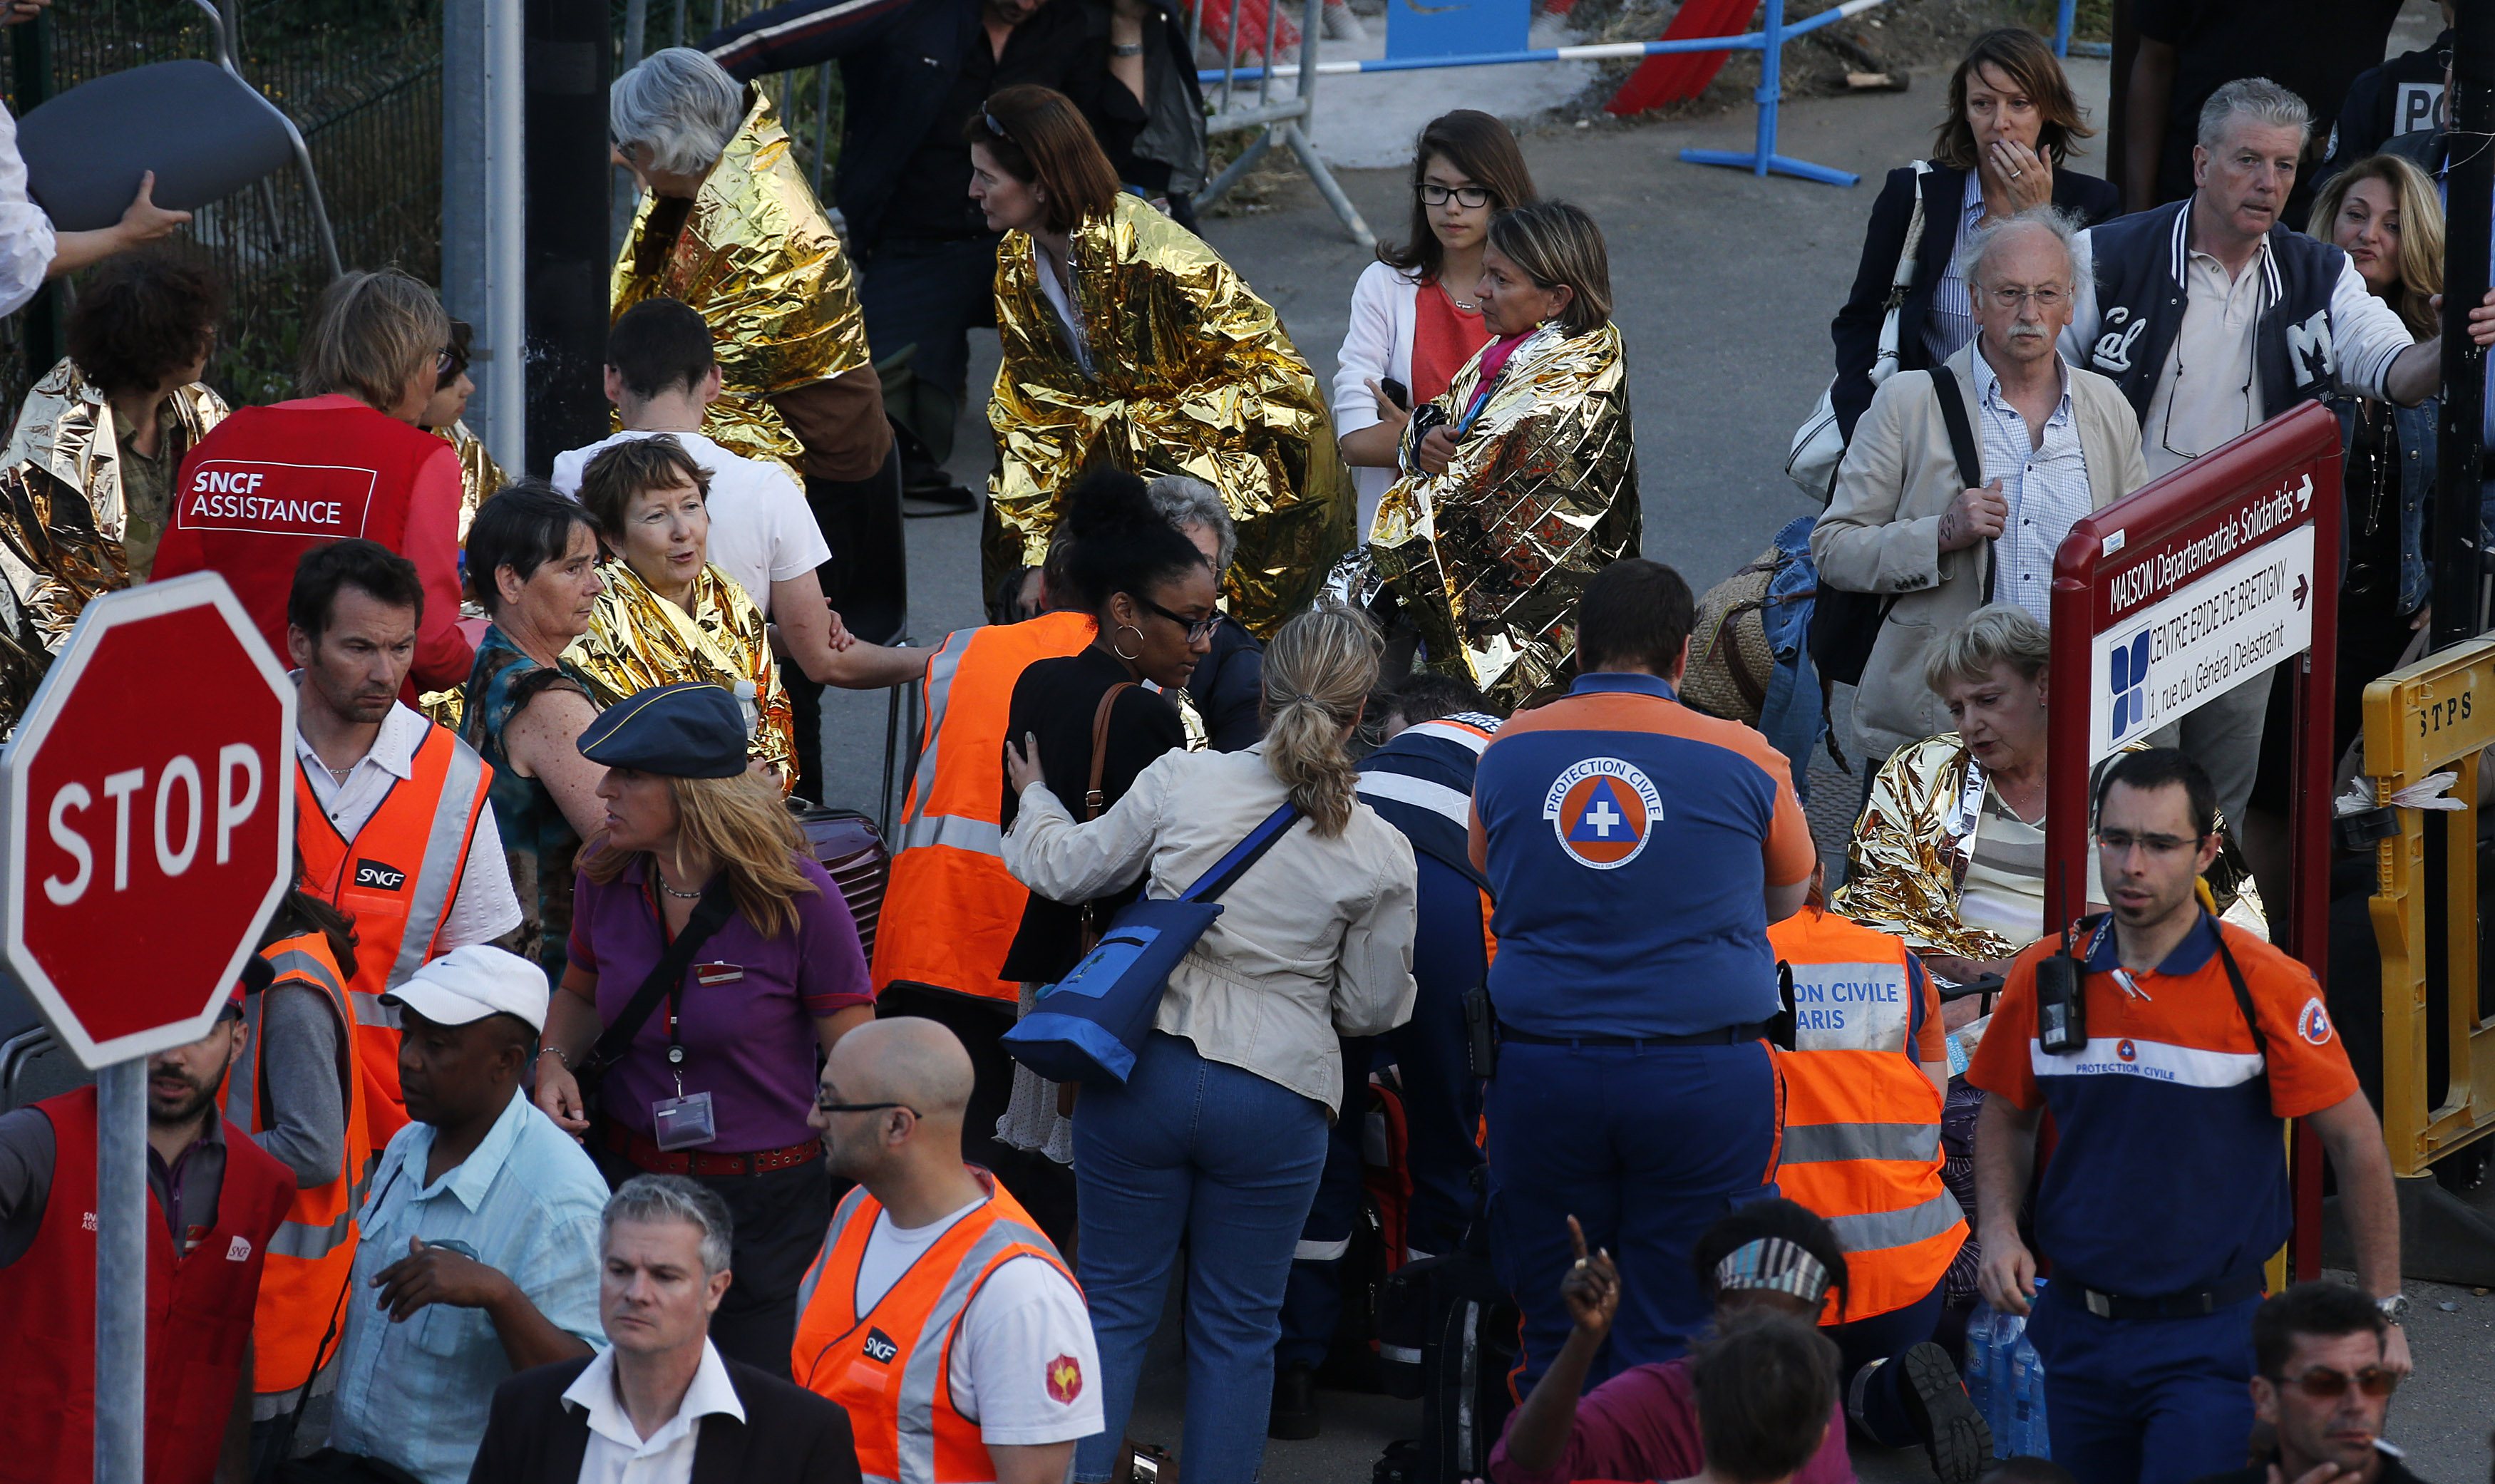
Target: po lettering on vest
x,y
273,499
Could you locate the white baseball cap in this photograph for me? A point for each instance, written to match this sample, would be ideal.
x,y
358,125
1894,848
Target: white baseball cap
x,y
473,982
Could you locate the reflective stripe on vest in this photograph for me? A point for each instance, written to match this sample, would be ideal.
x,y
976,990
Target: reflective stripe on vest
x,y
314,1249
1862,1143
397,880
950,908
887,1367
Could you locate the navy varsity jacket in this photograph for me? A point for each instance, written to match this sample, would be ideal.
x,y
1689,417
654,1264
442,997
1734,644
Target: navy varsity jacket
x,y
2140,268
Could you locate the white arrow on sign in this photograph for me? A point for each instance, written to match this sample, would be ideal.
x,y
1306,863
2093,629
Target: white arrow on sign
x,y
2304,494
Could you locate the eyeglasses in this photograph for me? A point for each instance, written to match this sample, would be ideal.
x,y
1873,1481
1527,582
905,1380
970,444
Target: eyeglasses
x,y
2047,299
447,362
2166,434
1433,195
2324,1384
821,1106
2120,842
1197,629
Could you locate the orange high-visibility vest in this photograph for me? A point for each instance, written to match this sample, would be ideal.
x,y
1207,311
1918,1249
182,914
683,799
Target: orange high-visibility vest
x,y
309,1258
1862,1142
891,1362
951,909
396,879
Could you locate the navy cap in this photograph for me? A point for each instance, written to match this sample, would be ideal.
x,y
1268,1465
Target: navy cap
x,y
690,729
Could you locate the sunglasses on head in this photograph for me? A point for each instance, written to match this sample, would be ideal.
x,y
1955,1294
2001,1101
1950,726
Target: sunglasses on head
x,y
2324,1384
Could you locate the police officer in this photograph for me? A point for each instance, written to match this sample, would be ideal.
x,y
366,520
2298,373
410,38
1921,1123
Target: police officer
x,y
2167,1188
1636,852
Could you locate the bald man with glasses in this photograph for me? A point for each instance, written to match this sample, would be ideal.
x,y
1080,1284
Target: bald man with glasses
x,y
937,1313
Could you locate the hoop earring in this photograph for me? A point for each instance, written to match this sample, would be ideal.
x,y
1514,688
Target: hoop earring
x,y
1139,644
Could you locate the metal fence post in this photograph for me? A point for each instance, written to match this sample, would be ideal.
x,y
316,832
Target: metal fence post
x,y
1295,132
120,1273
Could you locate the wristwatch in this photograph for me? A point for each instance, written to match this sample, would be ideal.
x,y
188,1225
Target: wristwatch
x,y
2394,1308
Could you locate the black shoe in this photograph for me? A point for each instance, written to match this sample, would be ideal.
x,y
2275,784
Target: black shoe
x,y
938,500
1294,1418
1936,1402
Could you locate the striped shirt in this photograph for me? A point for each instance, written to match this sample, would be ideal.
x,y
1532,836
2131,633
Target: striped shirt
x,y
526,1202
1421,782
2004,890
2046,485
1950,320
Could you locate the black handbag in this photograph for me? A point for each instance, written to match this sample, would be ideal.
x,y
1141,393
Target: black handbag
x,y
1844,625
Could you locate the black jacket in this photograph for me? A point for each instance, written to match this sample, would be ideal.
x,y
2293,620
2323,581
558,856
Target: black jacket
x,y
2393,1472
2403,96
1228,688
1857,328
899,59
789,1434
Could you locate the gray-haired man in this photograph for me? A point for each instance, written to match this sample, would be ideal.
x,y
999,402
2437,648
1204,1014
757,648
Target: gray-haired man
x,y
2054,442
661,1406
2211,317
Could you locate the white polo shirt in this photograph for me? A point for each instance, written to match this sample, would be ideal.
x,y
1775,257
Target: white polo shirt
x,y
761,530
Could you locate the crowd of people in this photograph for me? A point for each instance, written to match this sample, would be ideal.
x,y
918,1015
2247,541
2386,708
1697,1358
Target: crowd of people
x,y
567,1125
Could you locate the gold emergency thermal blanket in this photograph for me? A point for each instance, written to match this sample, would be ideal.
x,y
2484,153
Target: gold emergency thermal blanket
x,y
760,262
63,518
1903,868
478,475
1189,373
637,640
1490,557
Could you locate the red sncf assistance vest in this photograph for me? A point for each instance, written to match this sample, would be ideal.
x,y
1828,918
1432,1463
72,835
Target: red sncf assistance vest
x,y
269,484
396,879
1861,1141
893,1361
199,1315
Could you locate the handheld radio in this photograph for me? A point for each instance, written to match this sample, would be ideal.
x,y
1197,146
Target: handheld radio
x,y
2061,1004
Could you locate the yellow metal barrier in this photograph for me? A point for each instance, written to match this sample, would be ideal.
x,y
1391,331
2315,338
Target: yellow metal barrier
x,y
2436,714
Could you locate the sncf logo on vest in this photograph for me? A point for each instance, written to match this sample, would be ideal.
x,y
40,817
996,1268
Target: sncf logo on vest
x,y
379,877
273,499
880,1347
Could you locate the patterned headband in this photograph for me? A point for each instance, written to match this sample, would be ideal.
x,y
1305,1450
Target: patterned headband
x,y
1776,1264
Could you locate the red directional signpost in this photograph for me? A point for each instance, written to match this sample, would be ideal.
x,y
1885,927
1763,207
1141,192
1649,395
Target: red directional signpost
x,y
150,829
2168,598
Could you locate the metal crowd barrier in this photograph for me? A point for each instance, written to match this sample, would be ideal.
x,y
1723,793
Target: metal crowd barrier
x,y
1281,122
1767,41
2438,1017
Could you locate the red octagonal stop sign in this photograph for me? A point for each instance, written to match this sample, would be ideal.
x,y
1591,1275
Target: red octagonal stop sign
x,y
150,818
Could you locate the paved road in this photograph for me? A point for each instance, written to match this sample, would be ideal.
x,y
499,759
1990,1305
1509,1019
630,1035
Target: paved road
x,y
1724,285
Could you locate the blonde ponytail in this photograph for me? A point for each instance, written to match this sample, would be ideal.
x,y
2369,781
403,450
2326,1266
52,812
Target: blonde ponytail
x,y
1318,670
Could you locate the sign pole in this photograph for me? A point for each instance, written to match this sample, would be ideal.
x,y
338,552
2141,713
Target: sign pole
x,y
121,1272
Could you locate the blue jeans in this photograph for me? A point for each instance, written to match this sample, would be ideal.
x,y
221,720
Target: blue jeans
x,y
1230,1160
1646,1147
2143,1401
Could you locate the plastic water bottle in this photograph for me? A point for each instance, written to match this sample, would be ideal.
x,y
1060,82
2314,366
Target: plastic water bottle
x,y
1979,1359
2024,1395
2001,1381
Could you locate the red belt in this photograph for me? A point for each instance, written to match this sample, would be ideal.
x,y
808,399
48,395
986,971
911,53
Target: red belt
x,y
645,1153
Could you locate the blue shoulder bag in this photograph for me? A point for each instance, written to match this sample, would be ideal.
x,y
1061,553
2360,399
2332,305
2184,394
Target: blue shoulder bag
x,y
1089,1026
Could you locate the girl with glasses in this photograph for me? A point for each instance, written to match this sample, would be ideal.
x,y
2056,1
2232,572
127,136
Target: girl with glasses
x,y
1129,343
1415,319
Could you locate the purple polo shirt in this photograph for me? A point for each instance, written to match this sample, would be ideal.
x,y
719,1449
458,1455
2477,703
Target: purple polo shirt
x,y
749,1034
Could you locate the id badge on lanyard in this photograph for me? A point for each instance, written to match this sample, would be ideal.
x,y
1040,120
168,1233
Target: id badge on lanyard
x,y
687,1120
